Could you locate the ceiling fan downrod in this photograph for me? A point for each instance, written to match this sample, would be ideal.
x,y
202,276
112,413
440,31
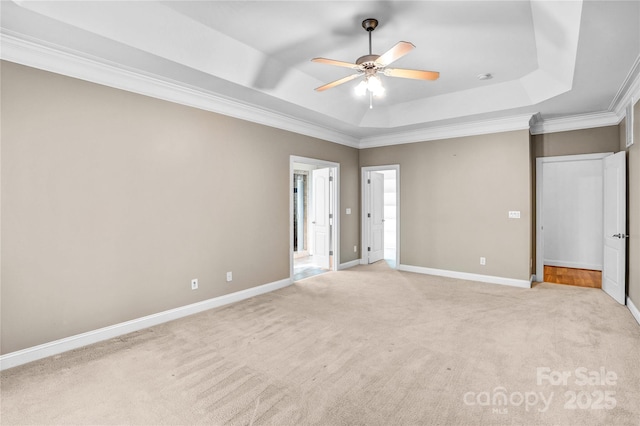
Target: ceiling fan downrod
x,y
370,24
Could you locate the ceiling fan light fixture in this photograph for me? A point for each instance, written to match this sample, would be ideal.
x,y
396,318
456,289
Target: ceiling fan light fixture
x,y
374,85
371,84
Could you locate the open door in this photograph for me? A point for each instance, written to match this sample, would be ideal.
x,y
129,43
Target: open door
x,y
321,223
615,232
376,216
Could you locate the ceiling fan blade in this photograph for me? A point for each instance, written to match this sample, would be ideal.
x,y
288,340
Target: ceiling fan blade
x,y
396,52
334,62
415,74
337,82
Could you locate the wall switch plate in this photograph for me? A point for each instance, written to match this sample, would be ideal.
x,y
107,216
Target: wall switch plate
x,y
483,260
194,284
355,249
514,215
229,276
348,211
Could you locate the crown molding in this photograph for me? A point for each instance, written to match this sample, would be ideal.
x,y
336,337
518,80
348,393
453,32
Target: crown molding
x,y
506,124
73,64
629,91
574,122
17,48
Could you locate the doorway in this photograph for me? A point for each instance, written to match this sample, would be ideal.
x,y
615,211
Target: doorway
x,y
380,214
314,223
580,206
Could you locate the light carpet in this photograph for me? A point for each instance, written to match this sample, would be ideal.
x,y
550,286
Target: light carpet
x,y
365,346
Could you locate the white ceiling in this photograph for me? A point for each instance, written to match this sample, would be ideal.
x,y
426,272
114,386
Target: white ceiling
x,y
567,61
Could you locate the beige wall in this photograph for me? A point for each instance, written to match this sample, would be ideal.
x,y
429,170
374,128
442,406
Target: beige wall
x,y
574,142
633,206
112,202
455,195
534,212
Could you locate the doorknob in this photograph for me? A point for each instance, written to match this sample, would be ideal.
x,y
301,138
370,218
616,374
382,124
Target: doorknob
x,y
620,236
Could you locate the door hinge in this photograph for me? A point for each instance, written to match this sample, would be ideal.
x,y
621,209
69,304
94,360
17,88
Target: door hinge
x,y
330,215
330,178
368,180
330,252
368,214
368,248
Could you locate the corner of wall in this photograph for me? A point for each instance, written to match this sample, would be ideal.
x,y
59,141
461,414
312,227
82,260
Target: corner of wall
x,y
633,211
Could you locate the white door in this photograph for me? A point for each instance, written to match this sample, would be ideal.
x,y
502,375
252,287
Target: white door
x,y
376,216
320,223
615,232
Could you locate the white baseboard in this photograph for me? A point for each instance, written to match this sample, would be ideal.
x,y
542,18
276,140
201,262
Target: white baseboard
x,y
575,265
56,347
634,311
348,265
466,276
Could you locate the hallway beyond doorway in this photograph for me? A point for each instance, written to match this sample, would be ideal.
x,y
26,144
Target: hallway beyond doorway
x,y
305,267
573,276
314,222
380,191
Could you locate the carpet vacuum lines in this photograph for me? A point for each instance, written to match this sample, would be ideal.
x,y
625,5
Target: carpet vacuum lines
x,y
368,345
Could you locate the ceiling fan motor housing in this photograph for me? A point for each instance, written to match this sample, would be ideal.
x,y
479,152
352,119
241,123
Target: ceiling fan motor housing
x,y
367,61
367,64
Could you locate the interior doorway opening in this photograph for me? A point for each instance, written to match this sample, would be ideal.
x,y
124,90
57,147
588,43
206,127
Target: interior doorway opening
x,y
390,217
381,214
580,221
313,218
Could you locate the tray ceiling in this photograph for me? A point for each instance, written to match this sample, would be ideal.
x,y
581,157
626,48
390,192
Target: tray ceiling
x,y
554,59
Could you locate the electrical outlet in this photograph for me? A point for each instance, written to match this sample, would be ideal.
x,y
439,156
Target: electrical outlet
x,y
229,276
514,215
483,261
194,284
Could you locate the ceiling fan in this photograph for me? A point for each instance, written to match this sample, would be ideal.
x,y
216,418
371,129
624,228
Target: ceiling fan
x,y
370,65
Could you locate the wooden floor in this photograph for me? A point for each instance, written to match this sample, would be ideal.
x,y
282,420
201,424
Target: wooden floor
x,y
572,276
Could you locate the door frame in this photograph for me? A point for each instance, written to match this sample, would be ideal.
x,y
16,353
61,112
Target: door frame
x,y
364,226
334,199
540,161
